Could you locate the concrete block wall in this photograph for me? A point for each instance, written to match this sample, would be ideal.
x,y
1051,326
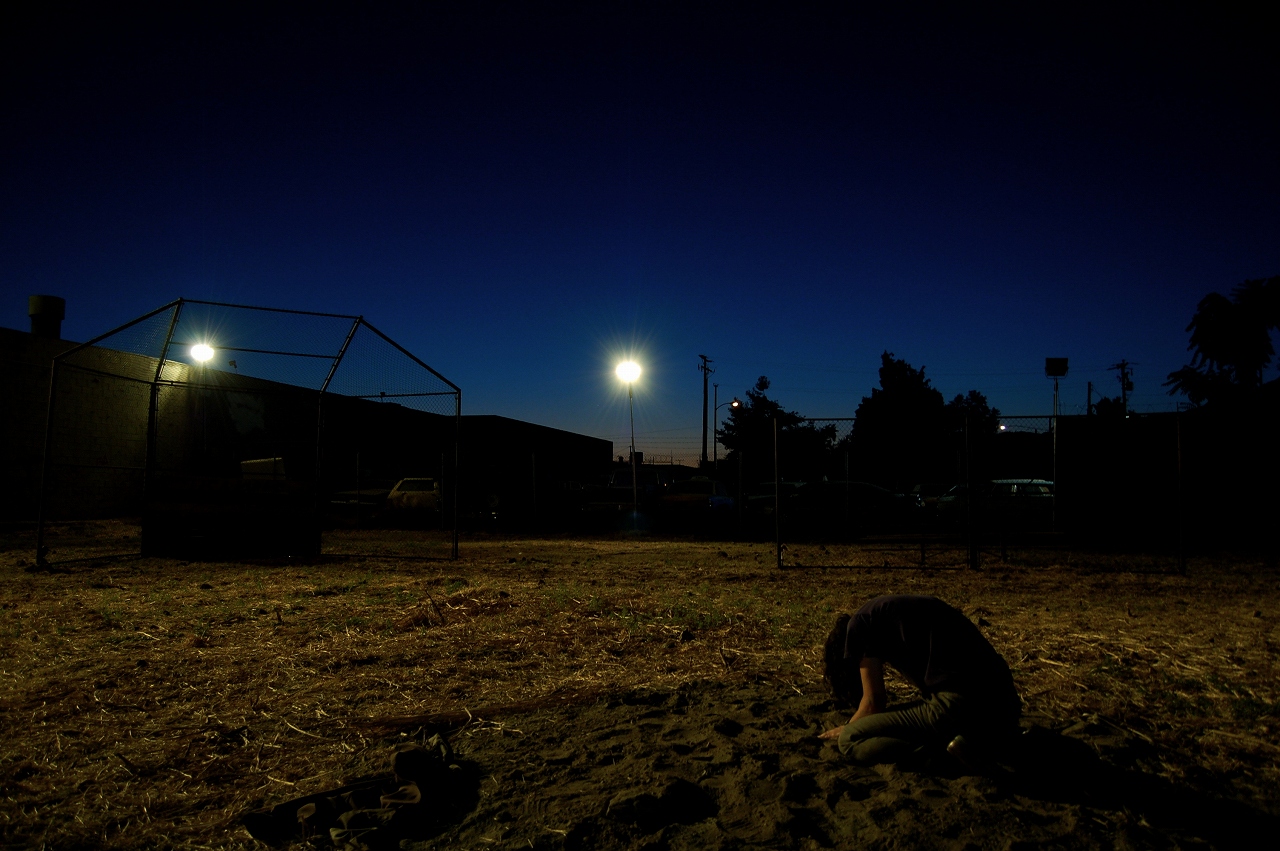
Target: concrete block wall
x,y
99,445
99,429
25,362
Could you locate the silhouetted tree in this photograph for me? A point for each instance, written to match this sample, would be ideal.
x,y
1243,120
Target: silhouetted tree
x,y
904,433
1110,408
982,418
900,432
747,433
974,413
1230,342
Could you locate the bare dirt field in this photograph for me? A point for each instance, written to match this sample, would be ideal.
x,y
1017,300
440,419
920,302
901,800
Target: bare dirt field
x,y
619,693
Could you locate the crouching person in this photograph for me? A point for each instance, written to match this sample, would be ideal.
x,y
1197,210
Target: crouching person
x,y
968,707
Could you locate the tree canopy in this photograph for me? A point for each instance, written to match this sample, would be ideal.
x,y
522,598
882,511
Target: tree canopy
x,y
903,433
974,410
1110,407
748,435
1230,343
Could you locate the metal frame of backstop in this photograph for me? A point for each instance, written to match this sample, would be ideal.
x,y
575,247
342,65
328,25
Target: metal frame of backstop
x,y
258,436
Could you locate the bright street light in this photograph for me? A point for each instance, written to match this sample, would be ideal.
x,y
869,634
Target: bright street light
x,y
629,371
202,352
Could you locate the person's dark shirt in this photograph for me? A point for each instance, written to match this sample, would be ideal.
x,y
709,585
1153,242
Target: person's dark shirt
x,y
933,645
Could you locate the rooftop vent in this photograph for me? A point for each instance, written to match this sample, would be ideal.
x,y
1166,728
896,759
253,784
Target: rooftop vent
x,y
47,313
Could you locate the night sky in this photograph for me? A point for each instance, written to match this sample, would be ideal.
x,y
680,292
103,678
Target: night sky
x,y
524,194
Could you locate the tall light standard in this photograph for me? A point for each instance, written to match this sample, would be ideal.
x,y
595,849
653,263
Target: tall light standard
x,y
202,353
629,371
1055,368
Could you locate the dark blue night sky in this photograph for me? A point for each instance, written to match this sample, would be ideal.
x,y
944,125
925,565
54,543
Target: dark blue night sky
x,y
522,194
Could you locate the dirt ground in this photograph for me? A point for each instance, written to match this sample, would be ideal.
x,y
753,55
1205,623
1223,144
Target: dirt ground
x,y
619,693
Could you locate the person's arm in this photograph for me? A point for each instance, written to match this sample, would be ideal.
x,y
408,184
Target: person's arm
x,y
873,695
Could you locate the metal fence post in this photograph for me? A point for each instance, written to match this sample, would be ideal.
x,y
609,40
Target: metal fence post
x,y
777,496
975,555
457,452
44,467
1182,552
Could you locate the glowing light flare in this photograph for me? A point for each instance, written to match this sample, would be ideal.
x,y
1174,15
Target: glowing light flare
x,y
202,352
628,371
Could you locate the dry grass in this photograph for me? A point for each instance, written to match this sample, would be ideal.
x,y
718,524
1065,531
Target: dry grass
x,y
147,703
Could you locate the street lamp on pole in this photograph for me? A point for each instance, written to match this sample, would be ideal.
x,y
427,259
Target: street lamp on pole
x,y
735,403
628,372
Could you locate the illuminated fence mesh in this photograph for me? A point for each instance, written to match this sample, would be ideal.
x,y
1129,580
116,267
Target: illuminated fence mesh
x,y
292,423
1037,424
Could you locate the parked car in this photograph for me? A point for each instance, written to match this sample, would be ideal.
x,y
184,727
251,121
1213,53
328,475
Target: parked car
x,y
1020,505
414,495
951,505
698,499
927,494
1013,505
611,504
849,508
359,502
761,501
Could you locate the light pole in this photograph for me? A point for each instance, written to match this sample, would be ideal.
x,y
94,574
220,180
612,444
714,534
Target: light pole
x,y
629,371
706,371
1055,368
202,353
715,444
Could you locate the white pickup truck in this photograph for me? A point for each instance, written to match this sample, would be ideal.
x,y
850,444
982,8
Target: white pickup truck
x,y
414,495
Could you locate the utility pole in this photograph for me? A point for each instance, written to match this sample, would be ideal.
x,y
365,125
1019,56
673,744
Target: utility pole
x,y
706,371
1088,408
1125,369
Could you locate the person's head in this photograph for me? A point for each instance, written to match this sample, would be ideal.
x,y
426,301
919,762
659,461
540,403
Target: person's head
x,y
840,673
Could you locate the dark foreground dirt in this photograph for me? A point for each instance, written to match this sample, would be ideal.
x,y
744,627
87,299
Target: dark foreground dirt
x,y
715,766
619,693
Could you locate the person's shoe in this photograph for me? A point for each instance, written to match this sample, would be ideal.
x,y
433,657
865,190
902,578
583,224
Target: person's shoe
x,y
968,754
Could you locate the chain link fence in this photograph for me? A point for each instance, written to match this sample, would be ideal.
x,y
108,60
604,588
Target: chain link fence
x,y
1029,488
238,430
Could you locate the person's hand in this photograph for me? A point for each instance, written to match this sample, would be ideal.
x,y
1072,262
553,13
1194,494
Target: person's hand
x,y
833,733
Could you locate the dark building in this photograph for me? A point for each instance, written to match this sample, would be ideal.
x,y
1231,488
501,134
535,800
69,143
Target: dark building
x,y
209,422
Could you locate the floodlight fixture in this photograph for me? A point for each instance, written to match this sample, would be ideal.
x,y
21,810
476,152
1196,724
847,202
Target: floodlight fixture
x,y
1055,367
628,371
202,352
